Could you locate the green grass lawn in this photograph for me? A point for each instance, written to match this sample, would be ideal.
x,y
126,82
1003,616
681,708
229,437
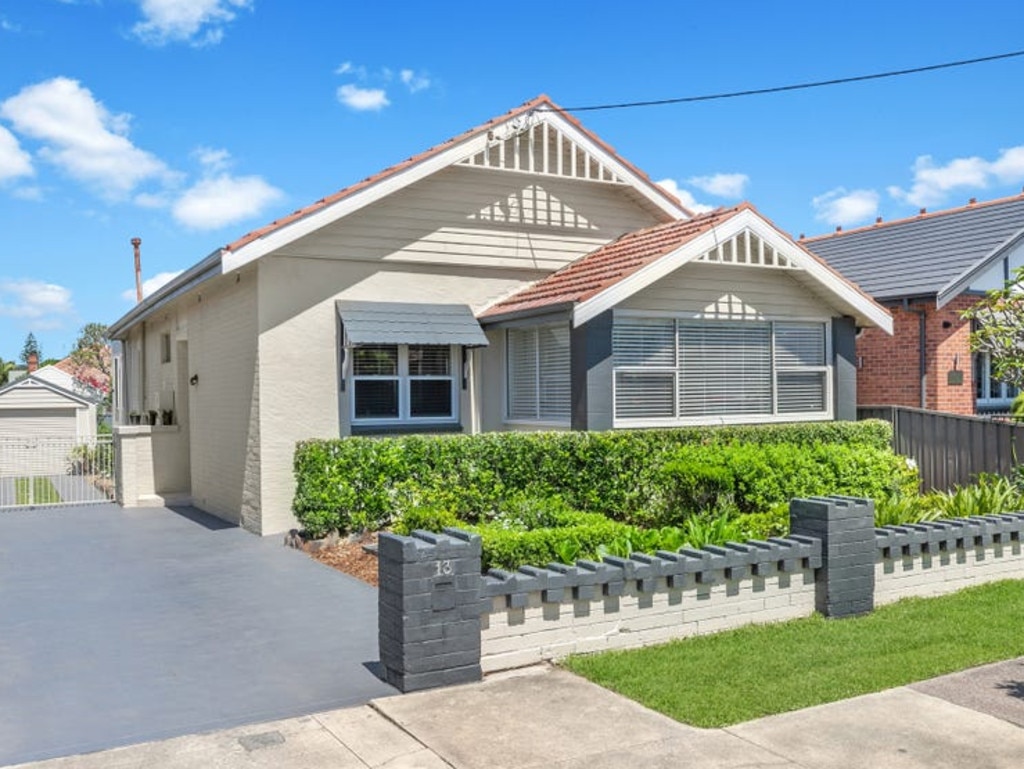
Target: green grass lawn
x,y
43,491
723,679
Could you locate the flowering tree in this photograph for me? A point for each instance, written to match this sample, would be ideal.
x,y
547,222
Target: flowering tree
x,y
999,329
91,358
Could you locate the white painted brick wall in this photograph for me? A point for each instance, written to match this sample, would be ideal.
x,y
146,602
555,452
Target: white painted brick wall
x,y
516,637
942,573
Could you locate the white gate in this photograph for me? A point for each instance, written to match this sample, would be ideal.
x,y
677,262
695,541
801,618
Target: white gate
x,y
55,470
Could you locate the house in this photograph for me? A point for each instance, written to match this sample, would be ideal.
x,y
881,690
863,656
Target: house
x,y
520,276
928,269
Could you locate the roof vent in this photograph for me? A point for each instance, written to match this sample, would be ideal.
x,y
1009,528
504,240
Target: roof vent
x,y
839,228
878,220
922,212
801,236
972,201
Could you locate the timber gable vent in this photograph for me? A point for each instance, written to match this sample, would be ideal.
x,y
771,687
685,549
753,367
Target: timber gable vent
x,y
529,144
749,250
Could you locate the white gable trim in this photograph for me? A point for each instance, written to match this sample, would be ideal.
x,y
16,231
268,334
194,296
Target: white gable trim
x,y
746,219
427,167
30,383
963,281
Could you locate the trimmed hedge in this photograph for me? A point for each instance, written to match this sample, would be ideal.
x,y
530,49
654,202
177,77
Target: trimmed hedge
x,y
367,483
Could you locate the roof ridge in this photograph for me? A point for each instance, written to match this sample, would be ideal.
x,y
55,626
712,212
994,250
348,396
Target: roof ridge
x,y
924,215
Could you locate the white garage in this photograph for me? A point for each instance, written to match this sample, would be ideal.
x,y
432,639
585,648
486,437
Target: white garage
x,y
32,408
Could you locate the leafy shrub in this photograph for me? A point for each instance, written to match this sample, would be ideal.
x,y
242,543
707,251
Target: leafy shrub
x,y
991,494
371,482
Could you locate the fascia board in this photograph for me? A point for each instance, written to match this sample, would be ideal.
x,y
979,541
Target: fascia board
x,y
960,283
656,270
686,253
354,202
640,184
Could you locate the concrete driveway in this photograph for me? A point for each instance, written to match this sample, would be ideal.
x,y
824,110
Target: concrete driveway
x,y
120,626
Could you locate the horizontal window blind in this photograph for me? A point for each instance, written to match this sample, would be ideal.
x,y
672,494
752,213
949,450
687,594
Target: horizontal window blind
x,y
724,369
538,373
669,368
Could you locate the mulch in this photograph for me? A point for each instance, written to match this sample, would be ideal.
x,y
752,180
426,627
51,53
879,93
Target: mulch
x,y
350,557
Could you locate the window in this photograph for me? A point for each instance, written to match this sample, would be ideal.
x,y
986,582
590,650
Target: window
x,y
401,382
989,392
670,369
537,366
165,348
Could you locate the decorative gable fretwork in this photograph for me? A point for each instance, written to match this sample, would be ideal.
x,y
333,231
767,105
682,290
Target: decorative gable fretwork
x,y
747,249
535,146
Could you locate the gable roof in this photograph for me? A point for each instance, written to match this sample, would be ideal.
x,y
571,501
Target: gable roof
x,y
31,381
280,232
612,273
933,254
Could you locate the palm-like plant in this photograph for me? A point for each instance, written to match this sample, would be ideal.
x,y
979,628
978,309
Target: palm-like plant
x,y
6,367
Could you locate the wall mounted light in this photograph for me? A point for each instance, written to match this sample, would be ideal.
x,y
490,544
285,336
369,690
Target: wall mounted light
x,y
194,380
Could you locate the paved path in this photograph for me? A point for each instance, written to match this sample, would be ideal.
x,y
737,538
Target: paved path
x,y
543,718
122,626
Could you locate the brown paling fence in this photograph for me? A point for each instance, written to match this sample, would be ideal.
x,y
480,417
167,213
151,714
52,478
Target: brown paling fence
x,y
951,449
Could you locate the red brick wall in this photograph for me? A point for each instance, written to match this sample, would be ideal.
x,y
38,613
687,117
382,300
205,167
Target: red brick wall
x,y
890,373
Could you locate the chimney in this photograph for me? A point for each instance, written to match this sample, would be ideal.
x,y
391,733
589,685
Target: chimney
x,y
136,242
33,362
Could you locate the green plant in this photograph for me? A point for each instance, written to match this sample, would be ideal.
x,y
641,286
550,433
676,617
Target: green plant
x,y
705,529
370,482
901,507
991,494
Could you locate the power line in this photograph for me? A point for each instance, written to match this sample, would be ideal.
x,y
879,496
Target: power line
x,y
795,87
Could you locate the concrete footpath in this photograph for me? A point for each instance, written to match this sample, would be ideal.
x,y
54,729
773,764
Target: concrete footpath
x,y
545,717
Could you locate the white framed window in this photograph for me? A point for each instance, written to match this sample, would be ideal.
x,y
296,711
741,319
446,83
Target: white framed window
x,y
396,383
538,385
683,371
989,392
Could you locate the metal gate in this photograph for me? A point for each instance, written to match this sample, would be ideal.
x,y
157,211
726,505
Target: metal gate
x,y
37,471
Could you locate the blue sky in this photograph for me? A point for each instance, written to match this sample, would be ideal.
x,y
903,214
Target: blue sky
x,y
189,122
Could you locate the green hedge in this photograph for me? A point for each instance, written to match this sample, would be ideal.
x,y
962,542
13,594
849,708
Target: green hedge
x,y
367,483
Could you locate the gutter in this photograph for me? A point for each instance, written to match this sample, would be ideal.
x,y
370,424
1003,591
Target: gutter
x,y
208,268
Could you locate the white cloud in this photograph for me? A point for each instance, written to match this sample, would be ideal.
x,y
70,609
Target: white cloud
x,y
197,22
212,160
14,161
685,196
414,81
217,201
150,285
32,193
81,137
933,184
8,26
721,185
844,208
45,305
363,99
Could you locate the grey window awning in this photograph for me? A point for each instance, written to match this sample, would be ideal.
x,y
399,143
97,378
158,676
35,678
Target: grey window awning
x,y
409,323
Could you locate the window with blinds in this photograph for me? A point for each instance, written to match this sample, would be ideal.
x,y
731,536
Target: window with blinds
x,y
672,369
401,382
537,373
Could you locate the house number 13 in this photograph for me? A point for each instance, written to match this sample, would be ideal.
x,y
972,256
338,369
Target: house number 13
x,y
444,569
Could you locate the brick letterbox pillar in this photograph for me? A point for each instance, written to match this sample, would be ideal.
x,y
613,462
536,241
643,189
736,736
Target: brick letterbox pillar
x,y
846,528
429,606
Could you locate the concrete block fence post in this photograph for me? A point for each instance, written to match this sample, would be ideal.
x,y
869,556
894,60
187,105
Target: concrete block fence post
x,y
429,607
845,525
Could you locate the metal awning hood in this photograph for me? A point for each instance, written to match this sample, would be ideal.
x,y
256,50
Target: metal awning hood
x,y
409,323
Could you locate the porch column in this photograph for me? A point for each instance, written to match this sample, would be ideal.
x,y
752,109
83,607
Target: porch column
x,y
591,373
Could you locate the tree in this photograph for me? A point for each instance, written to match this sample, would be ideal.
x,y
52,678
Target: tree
x,y
91,357
6,366
31,347
998,321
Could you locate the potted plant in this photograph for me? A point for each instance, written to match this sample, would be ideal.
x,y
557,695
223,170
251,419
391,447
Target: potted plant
x,y
134,418
152,416
167,416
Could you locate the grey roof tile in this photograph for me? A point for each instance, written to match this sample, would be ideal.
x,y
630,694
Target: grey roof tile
x,y
925,254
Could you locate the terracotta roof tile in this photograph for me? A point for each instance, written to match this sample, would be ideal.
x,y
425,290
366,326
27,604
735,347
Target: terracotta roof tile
x,y
611,263
541,102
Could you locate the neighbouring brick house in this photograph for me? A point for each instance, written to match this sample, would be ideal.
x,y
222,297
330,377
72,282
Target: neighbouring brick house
x,y
927,270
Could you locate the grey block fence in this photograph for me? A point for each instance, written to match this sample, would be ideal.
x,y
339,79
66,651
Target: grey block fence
x,y
432,595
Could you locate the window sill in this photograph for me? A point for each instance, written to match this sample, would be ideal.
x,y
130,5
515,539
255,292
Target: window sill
x,y
405,429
